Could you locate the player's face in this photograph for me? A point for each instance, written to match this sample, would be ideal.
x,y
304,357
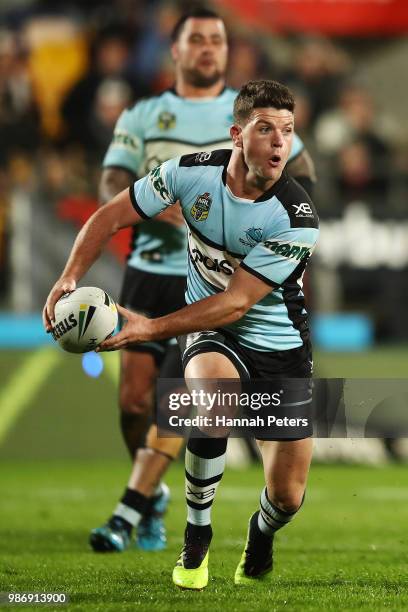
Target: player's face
x,y
267,141
201,51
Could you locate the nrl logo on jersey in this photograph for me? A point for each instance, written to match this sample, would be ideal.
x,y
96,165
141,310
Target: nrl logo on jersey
x,y
166,121
201,207
253,236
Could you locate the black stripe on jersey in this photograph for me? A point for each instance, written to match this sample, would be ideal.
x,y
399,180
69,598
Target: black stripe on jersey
x,y
261,277
210,243
136,205
220,157
295,302
190,143
293,198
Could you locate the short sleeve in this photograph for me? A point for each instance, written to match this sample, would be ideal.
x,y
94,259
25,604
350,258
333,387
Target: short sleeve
x,y
297,147
157,190
277,258
127,145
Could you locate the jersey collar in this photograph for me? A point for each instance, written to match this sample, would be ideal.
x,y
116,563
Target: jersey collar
x,y
174,92
266,195
276,187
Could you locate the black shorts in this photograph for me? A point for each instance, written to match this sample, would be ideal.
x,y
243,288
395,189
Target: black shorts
x,y
294,363
152,295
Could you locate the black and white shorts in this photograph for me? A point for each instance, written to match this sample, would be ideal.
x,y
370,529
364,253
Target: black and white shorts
x,y
262,366
293,363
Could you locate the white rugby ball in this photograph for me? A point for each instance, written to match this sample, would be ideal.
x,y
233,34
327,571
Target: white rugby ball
x,y
83,319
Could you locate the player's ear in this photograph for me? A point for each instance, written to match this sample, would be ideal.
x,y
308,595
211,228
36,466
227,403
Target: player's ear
x,y
236,135
174,51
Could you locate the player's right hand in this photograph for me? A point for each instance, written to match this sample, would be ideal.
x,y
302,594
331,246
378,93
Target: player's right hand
x,y
62,286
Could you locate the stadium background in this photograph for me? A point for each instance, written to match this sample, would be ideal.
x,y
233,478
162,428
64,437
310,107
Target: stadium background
x,y
67,69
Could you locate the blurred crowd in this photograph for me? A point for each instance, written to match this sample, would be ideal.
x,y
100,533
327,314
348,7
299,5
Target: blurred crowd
x,y
67,70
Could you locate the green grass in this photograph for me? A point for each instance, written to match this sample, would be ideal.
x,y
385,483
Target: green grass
x,y
345,551
388,361
62,468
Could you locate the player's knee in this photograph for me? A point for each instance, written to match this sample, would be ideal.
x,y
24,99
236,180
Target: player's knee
x,y
288,499
132,402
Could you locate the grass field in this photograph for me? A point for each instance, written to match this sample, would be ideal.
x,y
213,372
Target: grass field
x,y
345,551
63,467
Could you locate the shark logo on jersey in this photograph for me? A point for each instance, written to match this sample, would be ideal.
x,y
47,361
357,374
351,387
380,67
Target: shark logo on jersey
x,y
303,210
166,121
159,186
253,236
201,207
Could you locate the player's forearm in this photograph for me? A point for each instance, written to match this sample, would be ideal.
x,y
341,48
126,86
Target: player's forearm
x,y
209,313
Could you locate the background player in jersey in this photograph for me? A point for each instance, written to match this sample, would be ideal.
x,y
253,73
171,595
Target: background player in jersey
x,y
195,114
253,300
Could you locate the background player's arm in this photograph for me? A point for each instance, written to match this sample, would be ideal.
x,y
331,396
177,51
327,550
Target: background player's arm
x,y
96,232
219,310
301,166
115,180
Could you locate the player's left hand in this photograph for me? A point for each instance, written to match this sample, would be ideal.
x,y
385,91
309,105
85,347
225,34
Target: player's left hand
x,y
135,330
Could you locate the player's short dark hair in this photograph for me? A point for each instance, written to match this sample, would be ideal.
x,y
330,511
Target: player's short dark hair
x,y
261,94
196,13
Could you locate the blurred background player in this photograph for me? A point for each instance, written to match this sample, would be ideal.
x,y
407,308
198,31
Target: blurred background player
x,y
195,114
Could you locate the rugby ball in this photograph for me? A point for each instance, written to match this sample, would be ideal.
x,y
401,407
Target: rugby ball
x,y
83,319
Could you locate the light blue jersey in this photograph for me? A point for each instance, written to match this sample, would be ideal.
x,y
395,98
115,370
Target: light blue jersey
x,y
157,129
271,238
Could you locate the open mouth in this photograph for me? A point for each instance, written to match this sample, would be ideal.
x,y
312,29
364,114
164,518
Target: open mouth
x,y
275,160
